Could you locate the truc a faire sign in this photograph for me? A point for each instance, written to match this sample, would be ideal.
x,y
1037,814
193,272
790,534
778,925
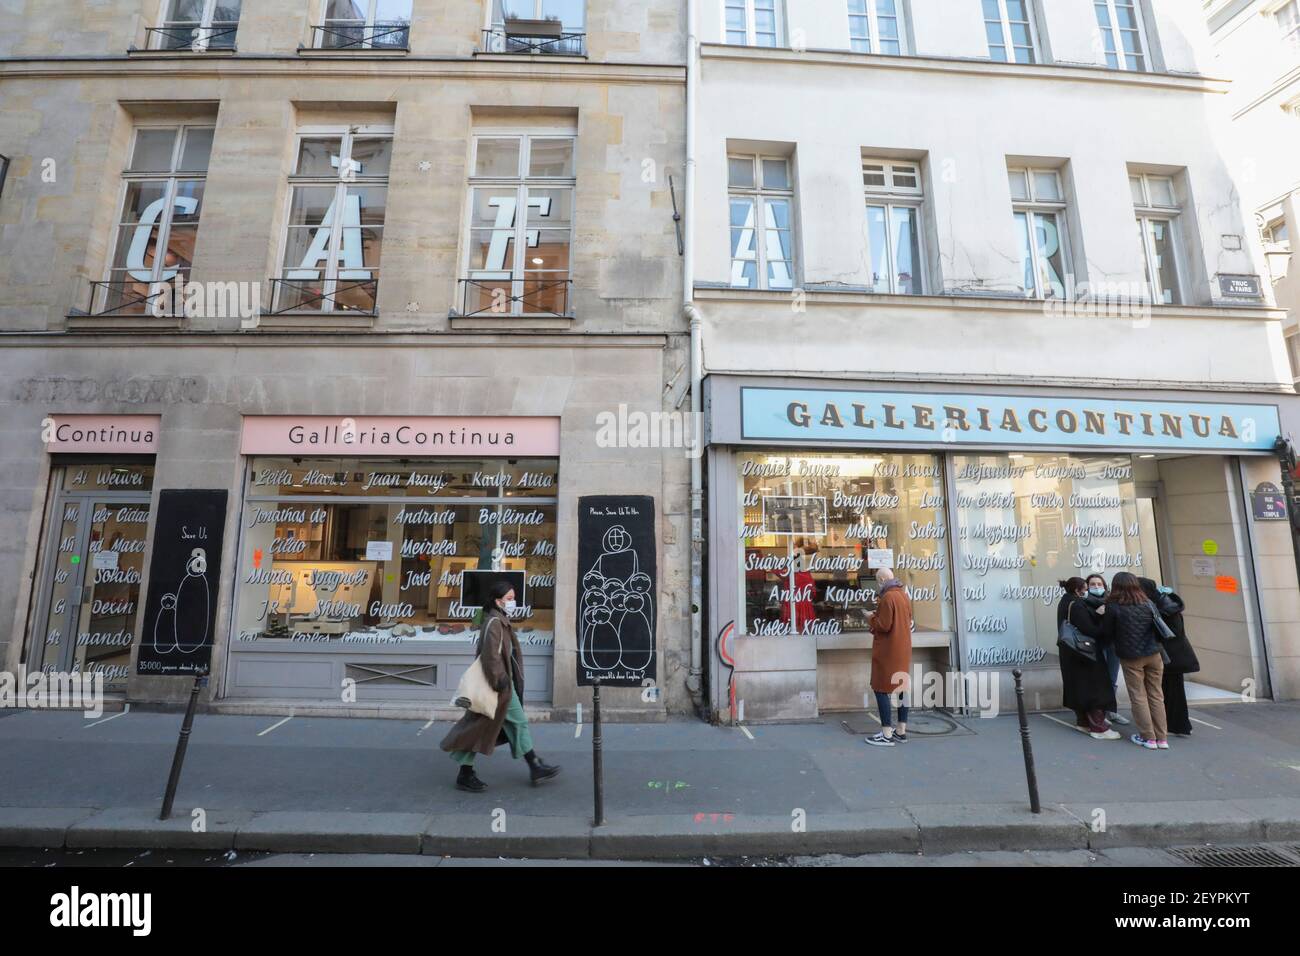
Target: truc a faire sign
x,y
938,419
442,436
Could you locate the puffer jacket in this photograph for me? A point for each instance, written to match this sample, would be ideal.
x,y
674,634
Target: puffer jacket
x,y
1131,628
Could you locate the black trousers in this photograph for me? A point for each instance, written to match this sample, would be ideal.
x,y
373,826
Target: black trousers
x,y
1176,703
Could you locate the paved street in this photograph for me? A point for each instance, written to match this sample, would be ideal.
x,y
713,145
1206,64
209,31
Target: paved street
x,y
1241,767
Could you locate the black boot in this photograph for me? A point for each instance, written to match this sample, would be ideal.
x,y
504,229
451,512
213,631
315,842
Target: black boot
x,y
539,770
468,780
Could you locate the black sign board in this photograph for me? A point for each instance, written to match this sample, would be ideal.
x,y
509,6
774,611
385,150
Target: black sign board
x,y
1269,503
180,614
617,584
1245,286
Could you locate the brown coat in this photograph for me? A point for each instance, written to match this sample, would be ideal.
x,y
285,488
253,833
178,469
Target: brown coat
x,y
891,646
503,665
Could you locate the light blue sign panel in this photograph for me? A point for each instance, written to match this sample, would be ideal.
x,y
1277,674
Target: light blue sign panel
x,y
936,419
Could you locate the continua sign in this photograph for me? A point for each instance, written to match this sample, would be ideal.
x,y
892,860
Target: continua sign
x,y
795,414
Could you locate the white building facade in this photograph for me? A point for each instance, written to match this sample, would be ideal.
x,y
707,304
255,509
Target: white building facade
x,y
978,301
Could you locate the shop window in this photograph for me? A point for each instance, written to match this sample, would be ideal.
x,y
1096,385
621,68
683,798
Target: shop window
x,y
1122,34
753,22
818,526
520,224
1026,522
1012,34
1038,209
1288,24
876,26
197,25
894,197
761,192
364,25
340,178
1156,207
357,551
88,603
157,223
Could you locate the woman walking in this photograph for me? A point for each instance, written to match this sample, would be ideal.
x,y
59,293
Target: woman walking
x,y
503,666
1182,658
1085,682
1129,622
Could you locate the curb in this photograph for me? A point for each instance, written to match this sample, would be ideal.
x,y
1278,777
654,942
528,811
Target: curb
x,y
934,829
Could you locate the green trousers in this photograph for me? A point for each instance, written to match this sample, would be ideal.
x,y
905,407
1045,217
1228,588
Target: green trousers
x,y
517,732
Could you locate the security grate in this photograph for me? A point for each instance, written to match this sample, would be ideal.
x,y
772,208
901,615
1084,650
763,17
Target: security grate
x,y
1230,856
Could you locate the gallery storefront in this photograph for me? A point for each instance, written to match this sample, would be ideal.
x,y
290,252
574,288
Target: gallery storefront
x,y
981,504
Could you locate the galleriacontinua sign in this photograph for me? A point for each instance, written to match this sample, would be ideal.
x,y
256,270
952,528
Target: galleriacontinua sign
x,y
365,435
797,414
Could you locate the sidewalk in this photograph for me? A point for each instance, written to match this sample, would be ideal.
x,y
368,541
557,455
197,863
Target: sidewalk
x,y
676,790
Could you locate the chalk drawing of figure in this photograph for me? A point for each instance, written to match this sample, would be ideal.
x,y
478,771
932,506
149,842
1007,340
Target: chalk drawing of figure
x,y
617,608
192,604
164,628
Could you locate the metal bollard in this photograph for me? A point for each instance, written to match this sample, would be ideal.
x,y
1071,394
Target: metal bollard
x,y
1030,775
597,762
182,744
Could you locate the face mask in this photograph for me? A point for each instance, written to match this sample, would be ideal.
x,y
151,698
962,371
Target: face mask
x,y
1097,592
509,607
1165,590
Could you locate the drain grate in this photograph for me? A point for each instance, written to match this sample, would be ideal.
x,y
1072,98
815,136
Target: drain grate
x,y
1228,856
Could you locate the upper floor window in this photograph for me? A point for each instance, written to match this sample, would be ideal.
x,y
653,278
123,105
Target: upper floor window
x,y
1038,208
1155,204
762,231
1288,23
1012,35
197,25
334,233
875,26
537,26
364,25
753,22
1122,34
894,196
162,198
520,224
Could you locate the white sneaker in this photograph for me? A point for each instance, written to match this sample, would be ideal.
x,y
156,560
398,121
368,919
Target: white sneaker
x,y
1162,745
1108,735
1148,744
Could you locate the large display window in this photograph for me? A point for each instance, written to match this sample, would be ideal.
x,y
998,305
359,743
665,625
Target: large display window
x,y
357,551
816,528
1024,523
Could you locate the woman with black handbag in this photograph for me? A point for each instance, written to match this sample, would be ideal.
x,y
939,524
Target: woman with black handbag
x,y
1182,658
1085,680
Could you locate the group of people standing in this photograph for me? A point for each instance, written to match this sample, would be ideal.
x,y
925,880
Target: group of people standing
x,y
1135,626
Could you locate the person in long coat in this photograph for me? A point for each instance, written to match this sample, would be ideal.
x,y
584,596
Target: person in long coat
x,y
1182,658
891,657
1085,684
503,666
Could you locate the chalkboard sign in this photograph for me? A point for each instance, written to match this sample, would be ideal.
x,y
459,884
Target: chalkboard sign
x,y
181,610
617,585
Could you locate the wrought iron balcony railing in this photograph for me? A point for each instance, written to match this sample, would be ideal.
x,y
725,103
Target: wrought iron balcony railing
x,y
358,36
502,40
517,297
219,36
121,297
345,296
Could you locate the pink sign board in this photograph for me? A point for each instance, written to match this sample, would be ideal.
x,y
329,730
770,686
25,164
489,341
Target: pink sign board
x,y
436,437
102,434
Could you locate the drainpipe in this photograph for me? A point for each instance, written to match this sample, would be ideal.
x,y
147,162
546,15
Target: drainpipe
x,y
689,312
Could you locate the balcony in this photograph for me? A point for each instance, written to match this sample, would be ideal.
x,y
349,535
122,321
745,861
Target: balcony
x,y
532,302
131,298
357,36
534,37
316,297
192,37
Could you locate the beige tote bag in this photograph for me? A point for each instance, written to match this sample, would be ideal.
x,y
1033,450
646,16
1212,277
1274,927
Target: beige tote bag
x,y
474,693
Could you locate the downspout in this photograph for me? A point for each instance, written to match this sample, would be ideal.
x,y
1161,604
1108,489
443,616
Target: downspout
x,y
694,682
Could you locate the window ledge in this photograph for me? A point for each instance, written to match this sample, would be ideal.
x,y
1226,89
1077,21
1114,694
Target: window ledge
x,y
314,322
82,322
562,57
501,323
184,51
387,53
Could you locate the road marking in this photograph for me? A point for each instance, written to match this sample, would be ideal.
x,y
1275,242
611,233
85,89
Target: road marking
x,y
745,730
126,708
274,725
426,726
1058,721
577,731
1206,723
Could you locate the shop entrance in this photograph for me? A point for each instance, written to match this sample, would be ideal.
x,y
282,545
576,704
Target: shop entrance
x,y
89,589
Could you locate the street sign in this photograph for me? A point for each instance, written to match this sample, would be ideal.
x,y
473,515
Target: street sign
x,y
1268,502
